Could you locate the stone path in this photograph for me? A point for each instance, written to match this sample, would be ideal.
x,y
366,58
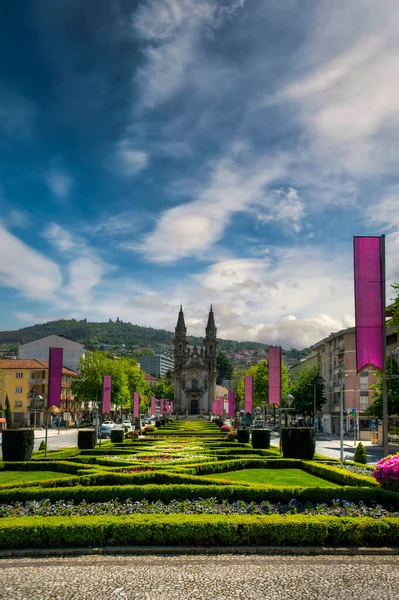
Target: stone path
x,y
202,577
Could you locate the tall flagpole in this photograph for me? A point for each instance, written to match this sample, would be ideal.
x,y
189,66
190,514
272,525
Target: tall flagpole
x,y
384,352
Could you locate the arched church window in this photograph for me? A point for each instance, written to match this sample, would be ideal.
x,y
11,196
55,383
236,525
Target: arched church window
x,y
184,384
210,350
180,347
205,384
194,384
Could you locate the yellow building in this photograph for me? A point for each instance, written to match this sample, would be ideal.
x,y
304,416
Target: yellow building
x,y
24,381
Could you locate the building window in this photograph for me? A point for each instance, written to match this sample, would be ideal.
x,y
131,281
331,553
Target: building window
x,y
19,375
364,380
194,384
18,404
18,390
205,384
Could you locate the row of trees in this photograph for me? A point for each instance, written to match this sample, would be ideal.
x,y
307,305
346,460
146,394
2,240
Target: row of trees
x,y
307,387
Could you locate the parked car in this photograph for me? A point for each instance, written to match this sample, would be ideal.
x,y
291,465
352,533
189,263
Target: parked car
x,y
110,424
105,432
128,425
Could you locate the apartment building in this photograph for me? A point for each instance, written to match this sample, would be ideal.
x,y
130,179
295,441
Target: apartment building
x,y
24,381
157,365
336,358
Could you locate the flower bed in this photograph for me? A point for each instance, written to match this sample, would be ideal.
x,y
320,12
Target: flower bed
x,y
209,506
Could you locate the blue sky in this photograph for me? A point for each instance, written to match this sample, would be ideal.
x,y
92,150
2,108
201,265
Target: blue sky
x,y
159,152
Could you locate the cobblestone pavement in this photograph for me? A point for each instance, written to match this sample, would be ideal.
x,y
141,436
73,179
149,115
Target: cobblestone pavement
x,y
219,577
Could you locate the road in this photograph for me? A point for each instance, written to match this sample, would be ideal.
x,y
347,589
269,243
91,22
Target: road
x,y
201,577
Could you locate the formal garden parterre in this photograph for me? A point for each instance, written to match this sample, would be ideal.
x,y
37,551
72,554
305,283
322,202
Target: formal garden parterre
x,y
187,484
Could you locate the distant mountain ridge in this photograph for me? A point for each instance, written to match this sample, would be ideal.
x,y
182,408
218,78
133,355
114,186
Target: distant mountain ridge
x,y
117,333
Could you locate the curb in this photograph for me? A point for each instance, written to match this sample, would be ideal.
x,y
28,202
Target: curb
x,y
198,551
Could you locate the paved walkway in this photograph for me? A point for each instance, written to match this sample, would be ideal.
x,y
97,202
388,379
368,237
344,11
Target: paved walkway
x,y
202,577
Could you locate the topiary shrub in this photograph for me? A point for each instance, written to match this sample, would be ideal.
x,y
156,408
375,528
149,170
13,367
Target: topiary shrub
x,y
86,439
17,444
149,429
243,436
42,446
158,424
360,454
298,442
261,438
117,436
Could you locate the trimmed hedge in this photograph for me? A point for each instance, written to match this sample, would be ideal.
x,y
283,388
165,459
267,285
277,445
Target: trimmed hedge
x,y
17,444
177,491
298,442
197,530
261,438
117,436
338,475
86,439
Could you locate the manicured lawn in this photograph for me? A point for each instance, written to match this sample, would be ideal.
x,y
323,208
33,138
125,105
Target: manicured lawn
x,y
283,477
16,476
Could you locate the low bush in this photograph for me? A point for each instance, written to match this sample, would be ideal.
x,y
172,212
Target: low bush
x,y
191,491
298,442
387,472
261,438
337,475
17,444
197,530
225,428
158,424
86,439
360,454
117,435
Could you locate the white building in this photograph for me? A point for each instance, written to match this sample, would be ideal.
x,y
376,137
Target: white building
x,y
39,349
157,365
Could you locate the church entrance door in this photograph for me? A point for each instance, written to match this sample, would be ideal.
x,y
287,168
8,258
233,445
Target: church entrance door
x,y
194,406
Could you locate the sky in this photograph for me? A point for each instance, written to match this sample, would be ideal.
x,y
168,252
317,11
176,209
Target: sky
x,y
163,152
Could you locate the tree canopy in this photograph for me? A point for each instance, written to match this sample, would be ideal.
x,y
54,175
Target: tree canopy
x,y
302,388
375,410
224,367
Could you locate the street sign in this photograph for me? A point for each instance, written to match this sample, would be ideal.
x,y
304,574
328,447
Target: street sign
x,y
352,412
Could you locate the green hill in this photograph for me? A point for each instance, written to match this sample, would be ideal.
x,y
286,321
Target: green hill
x,y
116,334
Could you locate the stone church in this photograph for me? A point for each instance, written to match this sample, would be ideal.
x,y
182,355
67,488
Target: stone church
x,y
195,370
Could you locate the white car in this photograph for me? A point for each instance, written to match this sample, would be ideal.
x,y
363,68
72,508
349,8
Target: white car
x,y
109,424
128,425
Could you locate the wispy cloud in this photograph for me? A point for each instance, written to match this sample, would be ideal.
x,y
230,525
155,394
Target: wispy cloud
x,y
191,228
131,160
61,238
26,270
287,208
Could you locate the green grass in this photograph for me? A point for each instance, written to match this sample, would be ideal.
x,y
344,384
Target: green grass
x,y
16,476
283,477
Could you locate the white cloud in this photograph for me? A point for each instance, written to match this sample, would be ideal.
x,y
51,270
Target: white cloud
x,y
349,96
132,160
26,270
288,208
59,183
190,229
61,238
172,30
84,275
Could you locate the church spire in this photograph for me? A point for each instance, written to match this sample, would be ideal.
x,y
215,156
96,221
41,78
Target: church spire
x,y
180,329
210,330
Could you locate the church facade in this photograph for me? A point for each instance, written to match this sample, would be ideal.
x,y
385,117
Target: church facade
x,y
195,370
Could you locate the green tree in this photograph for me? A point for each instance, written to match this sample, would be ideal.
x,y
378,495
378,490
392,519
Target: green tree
x,y
395,306
89,384
163,389
224,367
238,387
260,373
375,410
136,382
303,389
8,413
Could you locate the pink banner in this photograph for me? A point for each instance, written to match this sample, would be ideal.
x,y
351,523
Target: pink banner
x,y
171,408
54,377
221,406
368,301
106,403
248,394
153,405
231,403
274,375
162,404
136,405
